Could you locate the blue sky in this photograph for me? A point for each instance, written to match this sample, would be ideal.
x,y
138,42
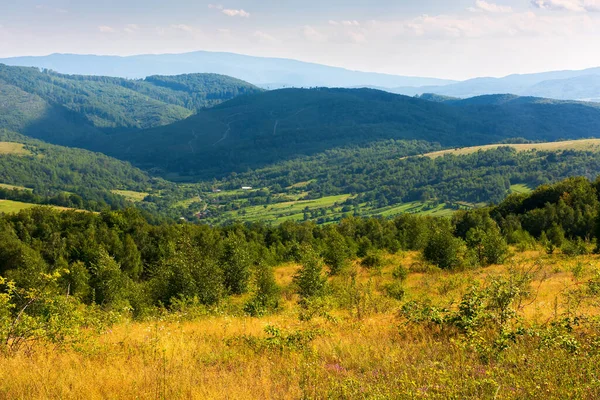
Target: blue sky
x,y
442,38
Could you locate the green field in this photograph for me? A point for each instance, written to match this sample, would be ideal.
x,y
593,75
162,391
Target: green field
x,y
415,207
131,195
10,206
520,188
11,187
581,145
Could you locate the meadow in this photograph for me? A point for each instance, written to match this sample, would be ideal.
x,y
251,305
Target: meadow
x,y
592,145
357,342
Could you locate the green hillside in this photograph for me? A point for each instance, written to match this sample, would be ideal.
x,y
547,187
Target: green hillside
x,y
255,131
67,108
375,180
35,172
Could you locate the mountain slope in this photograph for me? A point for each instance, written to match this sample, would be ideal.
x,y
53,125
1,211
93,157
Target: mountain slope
x,y
254,131
270,72
65,108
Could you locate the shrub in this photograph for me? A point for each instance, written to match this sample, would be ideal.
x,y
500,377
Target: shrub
x,y
266,298
400,273
373,259
309,279
444,250
395,290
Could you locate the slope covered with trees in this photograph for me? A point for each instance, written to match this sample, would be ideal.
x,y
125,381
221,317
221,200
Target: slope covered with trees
x,y
67,108
254,131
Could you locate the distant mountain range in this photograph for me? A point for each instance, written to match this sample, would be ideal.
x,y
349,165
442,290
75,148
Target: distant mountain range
x,y
561,85
269,73
277,73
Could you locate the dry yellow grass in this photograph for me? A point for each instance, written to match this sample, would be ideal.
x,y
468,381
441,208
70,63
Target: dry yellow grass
x,y
584,144
13,148
376,356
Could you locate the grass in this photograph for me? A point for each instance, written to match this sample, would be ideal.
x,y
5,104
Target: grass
x,y
10,206
520,188
373,354
131,195
13,148
11,187
581,145
290,210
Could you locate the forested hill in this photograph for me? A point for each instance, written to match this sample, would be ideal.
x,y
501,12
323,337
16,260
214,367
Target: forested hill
x,y
36,172
66,108
261,129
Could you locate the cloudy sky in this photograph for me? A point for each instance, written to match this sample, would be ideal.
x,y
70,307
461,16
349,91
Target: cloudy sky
x,y
441,38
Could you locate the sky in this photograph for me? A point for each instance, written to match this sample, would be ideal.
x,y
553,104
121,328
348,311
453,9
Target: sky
x,y
454,39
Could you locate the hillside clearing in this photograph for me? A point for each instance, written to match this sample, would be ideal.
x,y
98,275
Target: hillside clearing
x,y
12,187
131,195
13,148
579,145
10,206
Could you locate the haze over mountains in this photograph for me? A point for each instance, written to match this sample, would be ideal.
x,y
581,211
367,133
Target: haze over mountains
x,y
270,73
274,73
562,85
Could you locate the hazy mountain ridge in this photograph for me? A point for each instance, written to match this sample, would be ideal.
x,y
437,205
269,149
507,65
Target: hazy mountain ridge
x,y
272,73
561,85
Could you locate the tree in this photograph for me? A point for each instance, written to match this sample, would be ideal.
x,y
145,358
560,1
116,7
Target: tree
x,y
489,245
236,262
337,252
266,297
445,250
309,279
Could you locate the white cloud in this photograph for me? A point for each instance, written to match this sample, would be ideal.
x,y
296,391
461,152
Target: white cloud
x,y
357,37
106,29
313,35
482,25
350,23
229,12
482,5
265,37
183,27
568,5
334,23
236,13
131,28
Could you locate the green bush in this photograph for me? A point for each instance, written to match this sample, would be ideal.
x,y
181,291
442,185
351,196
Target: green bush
x,y
444,250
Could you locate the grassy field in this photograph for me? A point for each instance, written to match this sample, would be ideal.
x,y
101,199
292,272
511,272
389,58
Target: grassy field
x,y
583,145
13,148
11,187
360,347
10,206
289,210
520,188
131,195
